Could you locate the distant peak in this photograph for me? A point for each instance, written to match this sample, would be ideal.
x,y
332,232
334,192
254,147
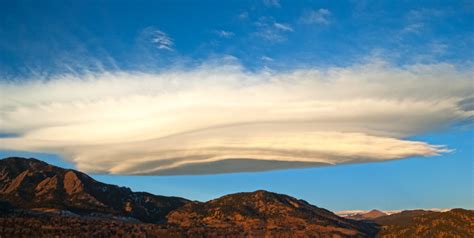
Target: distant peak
x,y
375,211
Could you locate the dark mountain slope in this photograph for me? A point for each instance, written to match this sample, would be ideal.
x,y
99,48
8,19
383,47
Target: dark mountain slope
x,y
33,184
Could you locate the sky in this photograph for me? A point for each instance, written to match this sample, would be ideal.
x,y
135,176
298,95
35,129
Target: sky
x,y
348,105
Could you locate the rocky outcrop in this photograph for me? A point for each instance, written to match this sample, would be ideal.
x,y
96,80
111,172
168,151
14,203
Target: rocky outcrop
x,y
33,184
47,187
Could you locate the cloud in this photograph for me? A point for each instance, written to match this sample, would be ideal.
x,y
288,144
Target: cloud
x,y
243,16
271,3
425,14
267,58
320,16
225,34
413,28
162,40
283,27
416,21
220,118
270,30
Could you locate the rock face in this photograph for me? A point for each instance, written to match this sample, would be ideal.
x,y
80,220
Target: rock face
x,y
263,213
33,184
454,223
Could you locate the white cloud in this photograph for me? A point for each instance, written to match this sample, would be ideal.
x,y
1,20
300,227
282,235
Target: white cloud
x,y
413,28
320,16
425,14
220,118
270,30
243,16
266,58
225,34
162,40
271,3
283,27
419,20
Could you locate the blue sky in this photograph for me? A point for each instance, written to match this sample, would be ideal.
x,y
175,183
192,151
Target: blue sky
x,y
46,46
65,32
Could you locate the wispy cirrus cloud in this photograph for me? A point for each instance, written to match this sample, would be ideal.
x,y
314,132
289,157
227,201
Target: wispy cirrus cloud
x,y
243,15
270,30
413,27
418,20
161,40
225,34
267,58
220,118
282,26
272,3
320,16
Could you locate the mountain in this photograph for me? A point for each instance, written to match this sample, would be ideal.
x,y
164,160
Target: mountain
x,y
33,185
371,215
418,223
36,185
263,213
348,213
403,217
42,200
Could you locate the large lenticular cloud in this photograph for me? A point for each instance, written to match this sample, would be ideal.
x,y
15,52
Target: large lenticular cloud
x,y
224,119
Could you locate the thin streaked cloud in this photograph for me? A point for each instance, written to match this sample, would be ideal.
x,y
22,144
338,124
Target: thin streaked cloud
x,y
270,30
161,40
282,26
225,34
272,3
320,16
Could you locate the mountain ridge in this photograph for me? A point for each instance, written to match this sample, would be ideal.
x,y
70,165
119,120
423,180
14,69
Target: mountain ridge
x,y
34,195
31,183
253,212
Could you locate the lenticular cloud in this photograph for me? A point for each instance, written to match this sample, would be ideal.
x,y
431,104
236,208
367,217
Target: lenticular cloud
x,y
224,119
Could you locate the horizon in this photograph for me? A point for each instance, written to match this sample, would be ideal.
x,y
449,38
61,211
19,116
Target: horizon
x,y
348,105
342,213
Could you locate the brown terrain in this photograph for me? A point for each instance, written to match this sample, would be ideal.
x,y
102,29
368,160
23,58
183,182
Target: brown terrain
x,y
454,223
262,213
41,200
